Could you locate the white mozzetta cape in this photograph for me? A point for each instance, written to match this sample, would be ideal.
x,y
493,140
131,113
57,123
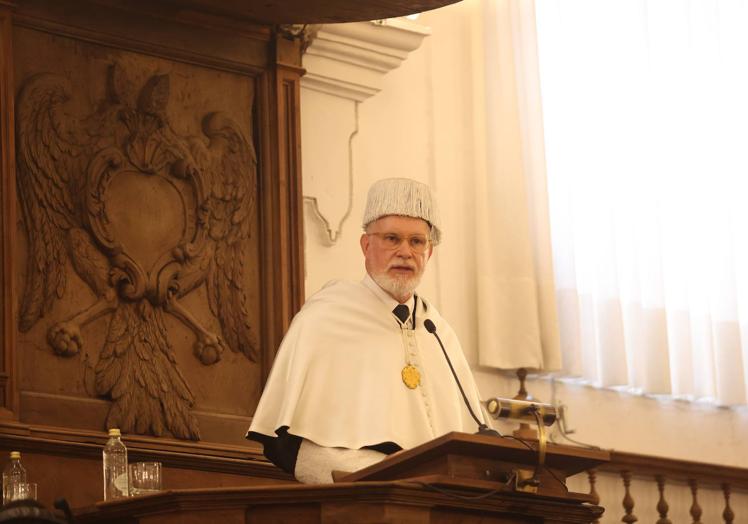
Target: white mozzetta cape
x,y
336,378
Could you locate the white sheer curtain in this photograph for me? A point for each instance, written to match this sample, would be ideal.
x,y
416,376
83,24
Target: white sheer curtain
x,y
645,111
517,319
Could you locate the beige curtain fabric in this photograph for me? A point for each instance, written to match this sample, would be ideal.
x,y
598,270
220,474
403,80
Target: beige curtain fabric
x,y
517,319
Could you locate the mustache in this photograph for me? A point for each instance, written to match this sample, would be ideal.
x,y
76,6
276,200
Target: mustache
x,y
400,265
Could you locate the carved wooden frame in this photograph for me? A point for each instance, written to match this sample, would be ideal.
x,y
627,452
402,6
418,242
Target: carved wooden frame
x,y
275,70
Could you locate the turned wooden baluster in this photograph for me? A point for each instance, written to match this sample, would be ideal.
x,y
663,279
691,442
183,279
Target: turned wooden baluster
x,y
592,477
728,515
662,505
628,501
695,508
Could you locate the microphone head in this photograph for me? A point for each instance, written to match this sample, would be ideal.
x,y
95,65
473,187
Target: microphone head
x,y
429,325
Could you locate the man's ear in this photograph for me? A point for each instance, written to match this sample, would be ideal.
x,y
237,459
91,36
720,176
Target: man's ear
x,y
364,241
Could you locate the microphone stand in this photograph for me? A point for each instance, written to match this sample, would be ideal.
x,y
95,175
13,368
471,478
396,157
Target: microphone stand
x,y
483,429
532,482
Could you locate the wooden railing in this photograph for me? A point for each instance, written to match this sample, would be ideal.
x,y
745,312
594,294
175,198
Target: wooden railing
x,y
640,488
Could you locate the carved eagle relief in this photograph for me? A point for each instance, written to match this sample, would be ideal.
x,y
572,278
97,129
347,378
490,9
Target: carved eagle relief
x,y
69,173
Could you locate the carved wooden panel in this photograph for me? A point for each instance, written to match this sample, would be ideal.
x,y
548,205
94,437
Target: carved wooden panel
x,y
138,196
140,282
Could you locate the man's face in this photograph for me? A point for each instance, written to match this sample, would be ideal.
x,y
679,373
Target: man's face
x,y
397,270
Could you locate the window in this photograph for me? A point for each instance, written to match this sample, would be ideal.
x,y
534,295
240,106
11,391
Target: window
x,y
645,115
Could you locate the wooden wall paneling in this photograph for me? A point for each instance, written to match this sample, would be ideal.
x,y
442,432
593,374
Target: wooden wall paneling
x,y
124,66
149,275
268,191
8,389
288,72
57,474
155,28
68,464
283,229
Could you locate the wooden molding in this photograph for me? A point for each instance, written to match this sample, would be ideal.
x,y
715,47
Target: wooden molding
x,y
8,390
281,227
347,500
310,11
221,458
152,31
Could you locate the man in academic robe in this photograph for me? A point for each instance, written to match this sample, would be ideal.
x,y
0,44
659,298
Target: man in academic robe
x,y
358,375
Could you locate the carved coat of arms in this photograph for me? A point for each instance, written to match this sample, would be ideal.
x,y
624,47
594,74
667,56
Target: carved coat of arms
x,y
67,171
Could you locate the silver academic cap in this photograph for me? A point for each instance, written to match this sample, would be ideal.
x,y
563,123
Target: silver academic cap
x,y
406,197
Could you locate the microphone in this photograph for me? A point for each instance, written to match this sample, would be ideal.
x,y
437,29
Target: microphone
x,y
482,428
522,410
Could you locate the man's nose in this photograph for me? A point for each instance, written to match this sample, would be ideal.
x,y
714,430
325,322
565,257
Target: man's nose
x,y
404,250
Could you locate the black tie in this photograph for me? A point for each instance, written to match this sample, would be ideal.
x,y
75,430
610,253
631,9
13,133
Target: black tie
x,y
402,312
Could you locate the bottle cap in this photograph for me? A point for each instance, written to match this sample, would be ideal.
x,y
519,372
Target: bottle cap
x,y
15,454
114,432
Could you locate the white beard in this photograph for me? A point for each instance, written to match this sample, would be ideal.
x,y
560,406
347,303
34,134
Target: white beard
x,y
397,287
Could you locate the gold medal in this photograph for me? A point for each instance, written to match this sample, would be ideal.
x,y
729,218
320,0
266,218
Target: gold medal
x,y
411,376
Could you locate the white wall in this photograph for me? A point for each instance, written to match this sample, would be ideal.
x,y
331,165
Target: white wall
x,y
426,123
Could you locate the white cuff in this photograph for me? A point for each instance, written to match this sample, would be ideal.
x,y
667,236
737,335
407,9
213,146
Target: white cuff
x,y
315,464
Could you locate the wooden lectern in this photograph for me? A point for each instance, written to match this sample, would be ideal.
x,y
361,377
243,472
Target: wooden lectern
x,y
455,478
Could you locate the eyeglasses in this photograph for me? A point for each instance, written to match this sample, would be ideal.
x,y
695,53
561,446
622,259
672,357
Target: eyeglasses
x,y
391,241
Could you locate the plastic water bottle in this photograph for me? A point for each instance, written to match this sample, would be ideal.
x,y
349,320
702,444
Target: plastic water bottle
x,y
13,475
115,467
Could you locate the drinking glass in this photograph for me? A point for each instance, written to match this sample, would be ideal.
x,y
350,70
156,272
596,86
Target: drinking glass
x,y
145,478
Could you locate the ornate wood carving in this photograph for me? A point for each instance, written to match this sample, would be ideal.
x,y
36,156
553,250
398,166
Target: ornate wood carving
x,y
79,183
178,67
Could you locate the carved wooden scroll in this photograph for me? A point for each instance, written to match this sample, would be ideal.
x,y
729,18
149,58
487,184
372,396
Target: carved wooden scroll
x,y
88,188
